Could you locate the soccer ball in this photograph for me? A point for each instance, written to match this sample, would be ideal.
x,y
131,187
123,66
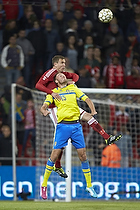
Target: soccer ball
x,y
105,15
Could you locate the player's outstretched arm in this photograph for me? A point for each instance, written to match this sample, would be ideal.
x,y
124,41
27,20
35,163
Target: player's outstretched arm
x,y
91,106
44,110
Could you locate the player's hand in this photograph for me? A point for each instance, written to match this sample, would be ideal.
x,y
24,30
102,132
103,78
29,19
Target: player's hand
x,y
56,96
44,110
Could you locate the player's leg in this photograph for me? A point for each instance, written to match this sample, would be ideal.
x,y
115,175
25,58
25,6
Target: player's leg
x,y
93,123
85,165
48,170
50,163
79,143
86,171
57,166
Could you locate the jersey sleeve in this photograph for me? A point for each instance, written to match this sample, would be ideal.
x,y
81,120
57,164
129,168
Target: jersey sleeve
x,y
80,94
48,100
45,81
41,85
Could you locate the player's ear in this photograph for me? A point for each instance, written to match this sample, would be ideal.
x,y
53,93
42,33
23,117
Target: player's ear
x,y
55,63
56,81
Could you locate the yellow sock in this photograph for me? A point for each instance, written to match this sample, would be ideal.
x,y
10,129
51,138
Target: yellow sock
x,y
48,171
87,175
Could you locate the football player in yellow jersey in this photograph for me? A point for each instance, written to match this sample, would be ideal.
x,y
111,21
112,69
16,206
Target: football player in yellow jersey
x,y
67,108
68,126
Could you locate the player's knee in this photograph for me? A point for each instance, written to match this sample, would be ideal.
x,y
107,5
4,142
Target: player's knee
x,y
55,154
82,156
54,158
86,116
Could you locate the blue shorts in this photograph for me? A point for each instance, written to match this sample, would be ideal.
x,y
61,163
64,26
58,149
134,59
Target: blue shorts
x,y
64,132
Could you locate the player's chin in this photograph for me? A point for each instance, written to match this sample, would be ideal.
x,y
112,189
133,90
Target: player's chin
x,y
63,69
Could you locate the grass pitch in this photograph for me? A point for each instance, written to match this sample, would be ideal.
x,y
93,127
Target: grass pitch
x,y
76,205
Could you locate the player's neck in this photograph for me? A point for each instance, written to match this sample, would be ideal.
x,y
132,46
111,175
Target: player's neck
x,y
62,85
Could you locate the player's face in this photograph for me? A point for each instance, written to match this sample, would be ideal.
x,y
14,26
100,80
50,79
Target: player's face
x,y
61,78
60,66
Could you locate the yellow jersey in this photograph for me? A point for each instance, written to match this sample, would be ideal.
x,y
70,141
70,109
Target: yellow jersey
x,y
67,107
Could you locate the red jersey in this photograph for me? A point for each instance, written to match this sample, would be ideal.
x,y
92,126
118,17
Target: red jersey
x,y
132,82
78,4
122,118
11,9
46,82
114,76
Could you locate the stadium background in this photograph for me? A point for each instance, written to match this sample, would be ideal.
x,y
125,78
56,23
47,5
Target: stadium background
x,y
124,10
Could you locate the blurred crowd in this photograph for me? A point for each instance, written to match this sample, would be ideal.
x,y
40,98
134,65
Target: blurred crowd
x,y
104,55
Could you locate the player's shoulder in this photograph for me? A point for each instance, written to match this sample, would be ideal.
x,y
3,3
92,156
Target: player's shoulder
x,y
75,86
56,90
72,86
49,73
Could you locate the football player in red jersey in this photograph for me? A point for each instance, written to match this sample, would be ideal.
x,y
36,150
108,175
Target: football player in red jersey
x,y
46,84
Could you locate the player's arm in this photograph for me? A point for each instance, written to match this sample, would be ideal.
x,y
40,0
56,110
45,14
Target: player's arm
x,y
44,107
73,76
41,85
85,98
91,106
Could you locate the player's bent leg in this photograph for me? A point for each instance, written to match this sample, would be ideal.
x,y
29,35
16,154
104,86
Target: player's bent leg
x,y
60,172
85,116
109,139
93,123
112,139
